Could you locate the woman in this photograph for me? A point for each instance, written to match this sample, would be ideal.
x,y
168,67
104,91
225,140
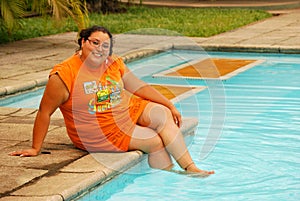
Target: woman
x,y
107,108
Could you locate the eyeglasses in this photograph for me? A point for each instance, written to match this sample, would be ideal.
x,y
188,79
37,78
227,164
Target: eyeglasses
x,y
96,43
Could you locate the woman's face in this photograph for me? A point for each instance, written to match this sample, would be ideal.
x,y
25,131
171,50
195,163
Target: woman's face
x,y
95,50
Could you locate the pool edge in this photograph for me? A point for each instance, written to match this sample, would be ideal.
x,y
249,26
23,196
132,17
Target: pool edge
x,y
131,158
141,53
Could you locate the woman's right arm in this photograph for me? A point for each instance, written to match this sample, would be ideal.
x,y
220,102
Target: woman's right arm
x,y
56,93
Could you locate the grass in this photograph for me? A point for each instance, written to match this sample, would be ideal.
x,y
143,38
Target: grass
x,y
196,22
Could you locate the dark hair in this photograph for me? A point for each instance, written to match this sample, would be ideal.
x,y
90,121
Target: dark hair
x,y
86,33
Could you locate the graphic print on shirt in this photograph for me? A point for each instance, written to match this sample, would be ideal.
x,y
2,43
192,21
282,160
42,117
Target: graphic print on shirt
x,y
90,87
107,95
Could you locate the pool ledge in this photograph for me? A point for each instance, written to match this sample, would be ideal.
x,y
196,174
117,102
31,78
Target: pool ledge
x,y
39,79
251,48
61,172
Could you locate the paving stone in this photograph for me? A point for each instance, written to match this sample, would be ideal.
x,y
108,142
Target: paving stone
x,y
101,161
33,198
58,135
5,111
21,132
17,177
65,184
8,143
56,156
24,112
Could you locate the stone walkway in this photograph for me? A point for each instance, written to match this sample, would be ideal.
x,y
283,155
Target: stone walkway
x,y
258,4
62,172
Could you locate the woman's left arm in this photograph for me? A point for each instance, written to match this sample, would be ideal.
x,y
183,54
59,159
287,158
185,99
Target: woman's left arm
x,y
139,88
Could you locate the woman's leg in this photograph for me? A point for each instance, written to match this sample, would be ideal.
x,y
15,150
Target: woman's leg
x,y
159,118
148,141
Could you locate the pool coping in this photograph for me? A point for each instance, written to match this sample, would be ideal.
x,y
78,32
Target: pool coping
x,y
71,177
124,163
141,53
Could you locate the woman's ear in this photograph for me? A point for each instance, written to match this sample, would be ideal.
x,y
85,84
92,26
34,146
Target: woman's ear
x,y
82,42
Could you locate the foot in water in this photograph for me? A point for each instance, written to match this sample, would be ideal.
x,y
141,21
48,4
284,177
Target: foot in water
x,y
192,174
201,174
192,171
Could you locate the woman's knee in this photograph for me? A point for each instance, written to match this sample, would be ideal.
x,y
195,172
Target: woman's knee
x,y
146,140
159,116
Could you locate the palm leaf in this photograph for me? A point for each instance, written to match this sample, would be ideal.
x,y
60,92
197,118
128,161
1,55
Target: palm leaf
x,y
10,10
59,9
80,13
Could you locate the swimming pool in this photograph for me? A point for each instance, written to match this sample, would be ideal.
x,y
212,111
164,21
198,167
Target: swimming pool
x,y
257,157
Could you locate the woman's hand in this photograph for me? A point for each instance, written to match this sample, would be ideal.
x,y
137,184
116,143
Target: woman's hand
x,y
55,94
25,153
176,115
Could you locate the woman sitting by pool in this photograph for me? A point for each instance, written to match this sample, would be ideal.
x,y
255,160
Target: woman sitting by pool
x,y
106,108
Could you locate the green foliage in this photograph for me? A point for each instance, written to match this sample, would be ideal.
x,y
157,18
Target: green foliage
x,y
59,9
13,10
196,22
38,26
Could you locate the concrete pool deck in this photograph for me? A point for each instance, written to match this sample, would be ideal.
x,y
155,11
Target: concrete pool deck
x,y
61,172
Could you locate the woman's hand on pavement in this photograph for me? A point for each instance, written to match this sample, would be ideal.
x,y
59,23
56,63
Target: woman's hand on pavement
x,y
25,153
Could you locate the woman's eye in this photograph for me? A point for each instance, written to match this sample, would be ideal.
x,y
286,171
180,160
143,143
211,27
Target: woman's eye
x,y
95,43
105,46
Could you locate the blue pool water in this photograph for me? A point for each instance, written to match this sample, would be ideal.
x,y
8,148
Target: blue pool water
x,y
26,100
257,154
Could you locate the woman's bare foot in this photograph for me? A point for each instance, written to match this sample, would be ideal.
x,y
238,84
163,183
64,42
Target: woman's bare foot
x,y
193,169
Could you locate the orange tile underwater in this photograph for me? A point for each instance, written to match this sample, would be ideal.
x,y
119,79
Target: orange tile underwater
x,y
177,92
210,68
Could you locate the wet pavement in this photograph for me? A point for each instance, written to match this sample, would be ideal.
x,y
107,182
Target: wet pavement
x,y
61,172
